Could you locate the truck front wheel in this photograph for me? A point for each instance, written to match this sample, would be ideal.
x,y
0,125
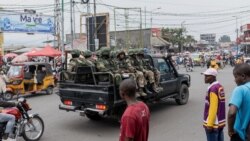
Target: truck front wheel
x,y
183,95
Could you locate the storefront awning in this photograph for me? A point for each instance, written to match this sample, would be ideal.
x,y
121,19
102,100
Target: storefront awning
x,y
159,42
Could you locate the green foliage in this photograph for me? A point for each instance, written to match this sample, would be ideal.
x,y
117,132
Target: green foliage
x,y
224,39
176,36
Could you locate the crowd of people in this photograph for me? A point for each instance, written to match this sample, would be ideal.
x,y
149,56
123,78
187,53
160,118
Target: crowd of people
x,y
218,61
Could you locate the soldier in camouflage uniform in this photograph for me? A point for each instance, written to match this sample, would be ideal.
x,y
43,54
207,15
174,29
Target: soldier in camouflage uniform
x,y
75,61
72,66
139,75
88,58
103,63
106,64
151,74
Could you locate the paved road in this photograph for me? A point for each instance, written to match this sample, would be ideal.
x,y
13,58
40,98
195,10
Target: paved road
x,y
169,122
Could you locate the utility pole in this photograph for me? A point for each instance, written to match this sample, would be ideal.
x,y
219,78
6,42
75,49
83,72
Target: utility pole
x,y
182,28
126,16
96,39
145,12
63,47
87,22
74,22
71,23
237,36
141,37
57,15
151,19
115,26
127,27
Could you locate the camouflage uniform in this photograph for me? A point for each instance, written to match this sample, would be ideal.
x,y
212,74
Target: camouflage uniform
x,y
88,58
152,74
103,64
106,64
138,74
123,65
75,61
72,66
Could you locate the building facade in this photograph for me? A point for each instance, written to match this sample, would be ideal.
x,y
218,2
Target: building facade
x,y
244,39
210,38
145,38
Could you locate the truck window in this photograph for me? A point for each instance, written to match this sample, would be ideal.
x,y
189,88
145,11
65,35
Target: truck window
x,y
163,66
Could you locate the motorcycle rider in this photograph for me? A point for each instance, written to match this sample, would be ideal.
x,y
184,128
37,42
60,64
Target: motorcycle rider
x,y
10,119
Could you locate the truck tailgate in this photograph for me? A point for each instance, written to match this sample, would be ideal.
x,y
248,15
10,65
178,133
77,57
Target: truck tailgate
x,y
86,96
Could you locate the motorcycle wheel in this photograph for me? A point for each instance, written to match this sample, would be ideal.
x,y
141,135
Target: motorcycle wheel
x,y
33,133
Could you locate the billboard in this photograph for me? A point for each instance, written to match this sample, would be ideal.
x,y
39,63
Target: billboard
x,y
27,23
102,27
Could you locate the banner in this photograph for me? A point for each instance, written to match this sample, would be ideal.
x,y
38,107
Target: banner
x,y
27,23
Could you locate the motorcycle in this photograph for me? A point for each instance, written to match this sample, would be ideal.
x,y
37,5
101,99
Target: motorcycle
x,y
188,66
28,126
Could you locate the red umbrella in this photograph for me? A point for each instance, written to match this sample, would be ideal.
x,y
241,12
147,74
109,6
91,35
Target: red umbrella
x,y
31,53
10,55
46,51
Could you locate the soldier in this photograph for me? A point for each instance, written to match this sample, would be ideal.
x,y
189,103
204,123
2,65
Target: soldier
x,y
74,61
103,64
150,73
88,58
72,66
139,75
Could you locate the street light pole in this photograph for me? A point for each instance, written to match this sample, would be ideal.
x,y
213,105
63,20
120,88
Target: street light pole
x,y
182,27
237,36
151,19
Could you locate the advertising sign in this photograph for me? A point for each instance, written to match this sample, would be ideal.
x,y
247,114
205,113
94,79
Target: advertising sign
x,y
102,27
27,23
156,32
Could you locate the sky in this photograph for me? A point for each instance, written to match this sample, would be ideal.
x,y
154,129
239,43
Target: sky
x,y
197,16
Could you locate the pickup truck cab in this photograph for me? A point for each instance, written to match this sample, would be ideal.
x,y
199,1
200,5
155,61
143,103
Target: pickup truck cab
x,y
89,96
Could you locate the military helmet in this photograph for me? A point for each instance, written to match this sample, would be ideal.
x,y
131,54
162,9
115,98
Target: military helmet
x,y
131,51
120,52
113,53
87,53
75,53
140,51
105,51
98,53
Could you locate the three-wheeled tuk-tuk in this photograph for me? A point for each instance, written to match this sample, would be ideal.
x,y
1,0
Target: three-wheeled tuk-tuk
x,y
29,77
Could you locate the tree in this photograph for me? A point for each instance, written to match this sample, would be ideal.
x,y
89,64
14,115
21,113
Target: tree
x,y
189,40
224,39
176,37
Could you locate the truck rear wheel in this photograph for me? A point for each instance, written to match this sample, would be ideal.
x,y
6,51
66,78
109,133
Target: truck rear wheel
x,y
182,99
93,116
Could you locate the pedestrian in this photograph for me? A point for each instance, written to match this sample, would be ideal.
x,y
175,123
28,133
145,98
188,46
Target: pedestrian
x,y
214,111
239,106
135,119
